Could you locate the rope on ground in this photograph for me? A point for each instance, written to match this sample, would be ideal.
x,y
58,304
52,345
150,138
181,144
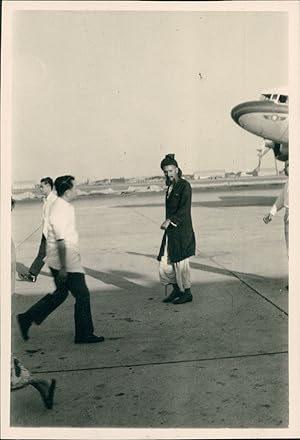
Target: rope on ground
x,y
143,215
29,236
248,285
174,362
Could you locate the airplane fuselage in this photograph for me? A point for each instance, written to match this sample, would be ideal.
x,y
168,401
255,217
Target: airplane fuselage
x,y
268,118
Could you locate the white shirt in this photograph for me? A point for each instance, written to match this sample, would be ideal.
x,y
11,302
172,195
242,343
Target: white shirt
x,y
48,201
62,226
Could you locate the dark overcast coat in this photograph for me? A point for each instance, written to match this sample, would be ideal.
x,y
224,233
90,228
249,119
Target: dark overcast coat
x,y
181,238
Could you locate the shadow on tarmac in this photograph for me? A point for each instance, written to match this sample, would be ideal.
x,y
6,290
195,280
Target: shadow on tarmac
x,y
223,202
207,268
116,278
121,279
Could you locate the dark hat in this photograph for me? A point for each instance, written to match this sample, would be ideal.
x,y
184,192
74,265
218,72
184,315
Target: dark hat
x,y
168,160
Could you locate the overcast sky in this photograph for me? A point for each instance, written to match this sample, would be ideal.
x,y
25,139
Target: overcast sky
x,y
107,94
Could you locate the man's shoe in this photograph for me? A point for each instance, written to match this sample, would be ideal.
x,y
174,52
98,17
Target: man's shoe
x,y
24,325
184,298
173,295
92,339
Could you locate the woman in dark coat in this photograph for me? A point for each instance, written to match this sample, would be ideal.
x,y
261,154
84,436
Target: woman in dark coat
x,y
178,243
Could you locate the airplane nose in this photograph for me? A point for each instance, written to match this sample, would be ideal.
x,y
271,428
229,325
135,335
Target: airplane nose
x,y
238,111
266,119
256,107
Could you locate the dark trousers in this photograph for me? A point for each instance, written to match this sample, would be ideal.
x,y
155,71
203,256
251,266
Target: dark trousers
x,y
38,263
75,283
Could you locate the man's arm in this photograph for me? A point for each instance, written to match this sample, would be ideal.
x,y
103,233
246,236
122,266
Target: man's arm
x,y
278,205
62,257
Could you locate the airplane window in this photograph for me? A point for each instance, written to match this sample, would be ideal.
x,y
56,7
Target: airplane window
x,y
266,97
283,99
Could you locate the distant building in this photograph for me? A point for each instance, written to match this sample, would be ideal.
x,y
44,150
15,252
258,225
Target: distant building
x,y
209,174
154,178
136,179
103,181
118,180
29,184
188,176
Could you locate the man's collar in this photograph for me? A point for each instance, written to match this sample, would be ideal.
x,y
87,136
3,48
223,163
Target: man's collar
x,y
51,194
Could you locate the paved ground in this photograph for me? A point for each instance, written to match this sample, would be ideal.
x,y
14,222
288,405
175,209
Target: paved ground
x,y
220,361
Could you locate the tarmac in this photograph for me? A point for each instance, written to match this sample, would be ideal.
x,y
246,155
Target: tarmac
x,y
220,361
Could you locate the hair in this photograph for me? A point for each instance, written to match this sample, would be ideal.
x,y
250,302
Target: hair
x,y
47,181
169,159
63,183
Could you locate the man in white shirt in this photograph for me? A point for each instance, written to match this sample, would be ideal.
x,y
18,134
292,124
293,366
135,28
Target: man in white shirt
x,y
46,187
282,201
63,259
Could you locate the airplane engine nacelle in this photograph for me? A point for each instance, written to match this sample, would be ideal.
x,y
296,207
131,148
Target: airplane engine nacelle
x,y
281,151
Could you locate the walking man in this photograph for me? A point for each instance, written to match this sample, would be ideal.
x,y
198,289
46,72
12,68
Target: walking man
x,y
178,243
282,201
63,259
46,187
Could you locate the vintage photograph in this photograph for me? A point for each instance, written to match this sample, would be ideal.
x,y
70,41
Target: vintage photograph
x,y
148,164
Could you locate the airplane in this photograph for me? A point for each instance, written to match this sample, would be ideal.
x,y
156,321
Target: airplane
x,y
267,117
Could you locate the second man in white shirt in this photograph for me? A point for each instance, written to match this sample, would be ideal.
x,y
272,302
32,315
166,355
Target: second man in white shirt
x,y
46,188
